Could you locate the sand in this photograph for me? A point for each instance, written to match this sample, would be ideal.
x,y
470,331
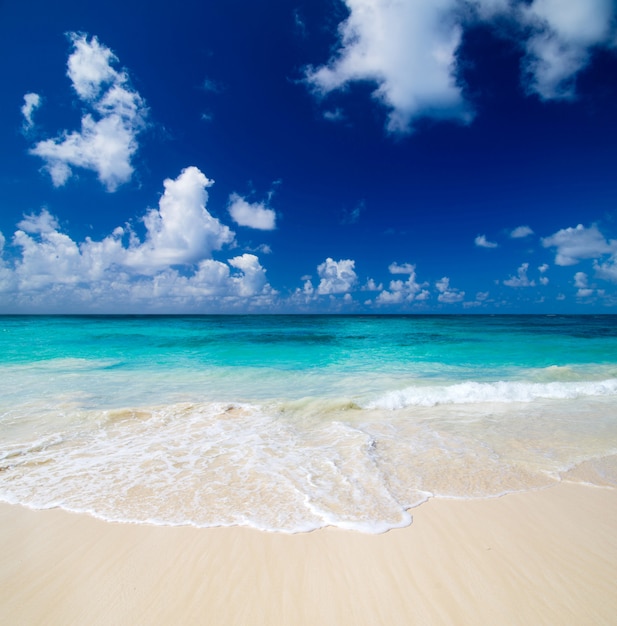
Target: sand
x,y
543,557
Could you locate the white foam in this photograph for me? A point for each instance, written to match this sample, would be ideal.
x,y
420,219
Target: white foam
x,y
474,392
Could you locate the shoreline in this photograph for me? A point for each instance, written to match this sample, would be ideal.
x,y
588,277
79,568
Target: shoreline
x,y
543,557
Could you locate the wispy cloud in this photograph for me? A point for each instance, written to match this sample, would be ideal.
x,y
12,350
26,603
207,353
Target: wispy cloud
x,y
32,101
482,242
521,232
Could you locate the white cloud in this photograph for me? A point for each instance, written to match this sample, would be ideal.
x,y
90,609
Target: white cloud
x,y
32,101
252,279
181,231
403,291
371,285
575,244
336,115
521,231
408,50
521,279
607,270
336,276
254,215
447,294
482,242
107,140
564,33
405,268
581,282
171,269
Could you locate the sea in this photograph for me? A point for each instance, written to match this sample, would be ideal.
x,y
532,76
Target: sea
x,y
293,423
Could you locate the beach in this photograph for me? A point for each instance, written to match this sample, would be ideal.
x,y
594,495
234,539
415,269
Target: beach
x,y
540,557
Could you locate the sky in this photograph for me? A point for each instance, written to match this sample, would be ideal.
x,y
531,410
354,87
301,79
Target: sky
x,y
308,156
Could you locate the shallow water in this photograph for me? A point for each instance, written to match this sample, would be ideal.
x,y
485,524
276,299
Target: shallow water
x,y
292,423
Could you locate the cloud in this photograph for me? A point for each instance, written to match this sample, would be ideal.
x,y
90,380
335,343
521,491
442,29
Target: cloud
x,y
371,285
32,101
171,268
181,231
520,232
352,216
336,115
336,276
521,279
253,215
403,291
448,294
482,242
575,244
212,86
581,283
607,270
114,115
409,51
405,268
564,34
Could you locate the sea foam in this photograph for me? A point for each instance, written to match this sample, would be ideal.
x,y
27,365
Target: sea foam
x,y
476,392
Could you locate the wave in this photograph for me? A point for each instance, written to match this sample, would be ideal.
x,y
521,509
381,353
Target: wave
x,y
501,391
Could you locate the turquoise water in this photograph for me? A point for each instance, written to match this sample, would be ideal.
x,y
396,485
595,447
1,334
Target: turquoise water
x,y
292,423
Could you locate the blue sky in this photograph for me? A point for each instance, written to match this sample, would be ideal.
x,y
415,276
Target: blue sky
x,y
309,156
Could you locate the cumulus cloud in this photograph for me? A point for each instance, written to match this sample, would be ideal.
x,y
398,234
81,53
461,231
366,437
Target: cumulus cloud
x,y
114,115
170,268
336,276
520,232
581,282
181,231
447,294
32,101
482,242
371,285
409,50
564,34
253,215
607,270
521,279
575,244
400,291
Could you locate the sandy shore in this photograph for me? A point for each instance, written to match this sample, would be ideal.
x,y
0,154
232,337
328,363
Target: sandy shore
x,y
546,557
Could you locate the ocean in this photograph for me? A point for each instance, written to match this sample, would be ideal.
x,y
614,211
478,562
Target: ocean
x,y
293,423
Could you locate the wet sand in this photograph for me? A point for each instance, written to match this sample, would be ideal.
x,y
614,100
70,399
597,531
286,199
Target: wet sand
x,y
543,557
